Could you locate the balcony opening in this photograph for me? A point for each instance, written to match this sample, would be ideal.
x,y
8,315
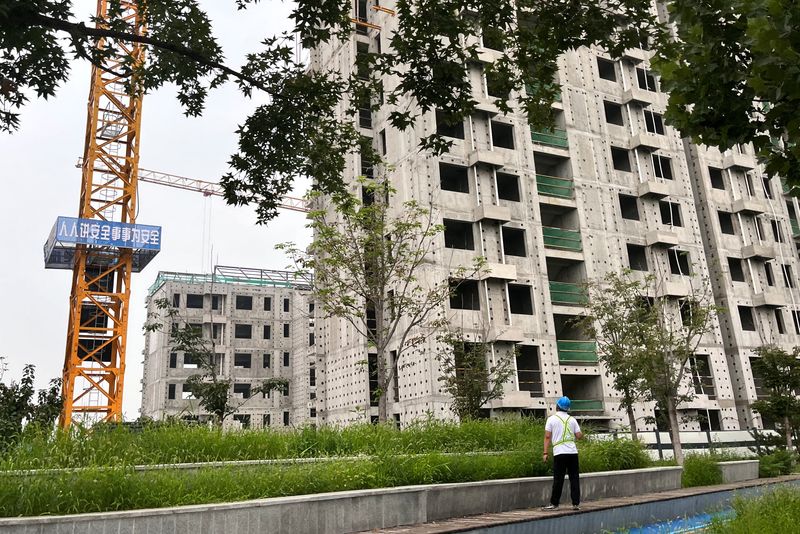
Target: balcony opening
x,y
735,268
464,295
567,271
607,69
621,159
670,213
777,231
779,324
679,263
519,297
502,135
497,86
449,126
514,242
768,274
726,223
549,165
191,361
586,392
244,302
458,234
508,187
613,113
788,277
241,390
662,167
767,183
492,37
710,420
653,122
629,206
242,361
529,371
748,182
194,301
746,318
717,180
637,257
559,217
646,79
454,178
243,419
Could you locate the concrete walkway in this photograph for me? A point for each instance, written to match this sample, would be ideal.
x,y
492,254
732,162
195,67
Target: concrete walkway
x,y
599,515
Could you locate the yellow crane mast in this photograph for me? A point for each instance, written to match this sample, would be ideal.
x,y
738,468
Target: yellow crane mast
x,y
94,364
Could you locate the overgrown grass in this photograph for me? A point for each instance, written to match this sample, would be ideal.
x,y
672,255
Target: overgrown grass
x,y
187,444
701,470
427,453
774,512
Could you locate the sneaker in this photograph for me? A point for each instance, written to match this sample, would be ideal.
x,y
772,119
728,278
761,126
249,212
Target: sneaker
x,y
576,506
550,507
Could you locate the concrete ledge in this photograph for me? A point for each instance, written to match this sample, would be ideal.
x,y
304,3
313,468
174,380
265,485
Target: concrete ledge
x,y
738,471
350,511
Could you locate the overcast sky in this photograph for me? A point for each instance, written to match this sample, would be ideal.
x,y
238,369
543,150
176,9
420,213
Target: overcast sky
x,y
40,182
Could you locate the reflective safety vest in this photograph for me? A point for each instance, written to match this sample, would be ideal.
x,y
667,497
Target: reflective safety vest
x,y
567,436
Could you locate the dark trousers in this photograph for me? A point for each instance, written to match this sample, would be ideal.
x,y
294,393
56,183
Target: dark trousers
x,y
563,464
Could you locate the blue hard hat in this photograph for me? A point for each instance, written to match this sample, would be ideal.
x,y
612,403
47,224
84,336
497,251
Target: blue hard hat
x,y
563,404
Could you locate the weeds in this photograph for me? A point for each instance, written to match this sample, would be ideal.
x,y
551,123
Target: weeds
x,y
777,511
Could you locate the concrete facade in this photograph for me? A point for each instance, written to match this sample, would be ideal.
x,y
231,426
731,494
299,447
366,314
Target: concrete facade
x,y
260,325
612,187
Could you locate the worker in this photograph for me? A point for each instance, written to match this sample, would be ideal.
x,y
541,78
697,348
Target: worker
x,y
562,430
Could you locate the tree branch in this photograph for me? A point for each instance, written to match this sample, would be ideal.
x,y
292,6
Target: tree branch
x,y
76,29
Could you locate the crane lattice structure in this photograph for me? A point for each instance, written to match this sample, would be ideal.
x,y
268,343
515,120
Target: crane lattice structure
x,y
94,364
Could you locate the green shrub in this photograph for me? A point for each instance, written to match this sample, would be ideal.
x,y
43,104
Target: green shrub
x,y
776,464
612,455
700,470
774,512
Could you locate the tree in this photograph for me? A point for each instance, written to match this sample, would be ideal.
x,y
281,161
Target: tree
x,y
616,309
779,372
664,339
466,376
732,77
210,387
367,259
426,56
18,408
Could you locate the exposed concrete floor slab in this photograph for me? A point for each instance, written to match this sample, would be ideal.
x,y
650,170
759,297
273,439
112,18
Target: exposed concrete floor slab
x,y
516,517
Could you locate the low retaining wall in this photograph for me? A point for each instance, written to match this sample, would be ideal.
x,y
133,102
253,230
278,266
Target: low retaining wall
x,y
350,511
738,471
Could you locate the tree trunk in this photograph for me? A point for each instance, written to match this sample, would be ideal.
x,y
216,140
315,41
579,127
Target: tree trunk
x,y
787,430
632,422
674,430
381,363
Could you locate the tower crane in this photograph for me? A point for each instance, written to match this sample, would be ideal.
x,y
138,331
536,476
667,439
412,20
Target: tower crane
x,y
104,245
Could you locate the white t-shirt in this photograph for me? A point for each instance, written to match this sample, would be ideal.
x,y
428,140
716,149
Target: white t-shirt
x,y
556,424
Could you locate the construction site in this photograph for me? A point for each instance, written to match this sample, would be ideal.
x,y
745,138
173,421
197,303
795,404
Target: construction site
x,y
611,187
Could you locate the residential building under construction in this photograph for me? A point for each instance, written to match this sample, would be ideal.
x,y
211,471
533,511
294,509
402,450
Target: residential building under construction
x,y
612,187
258,324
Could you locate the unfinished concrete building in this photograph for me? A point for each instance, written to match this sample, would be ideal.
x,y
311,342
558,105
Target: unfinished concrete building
x,y
260,325
611,187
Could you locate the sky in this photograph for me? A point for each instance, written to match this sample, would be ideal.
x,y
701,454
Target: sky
x,y
39,182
